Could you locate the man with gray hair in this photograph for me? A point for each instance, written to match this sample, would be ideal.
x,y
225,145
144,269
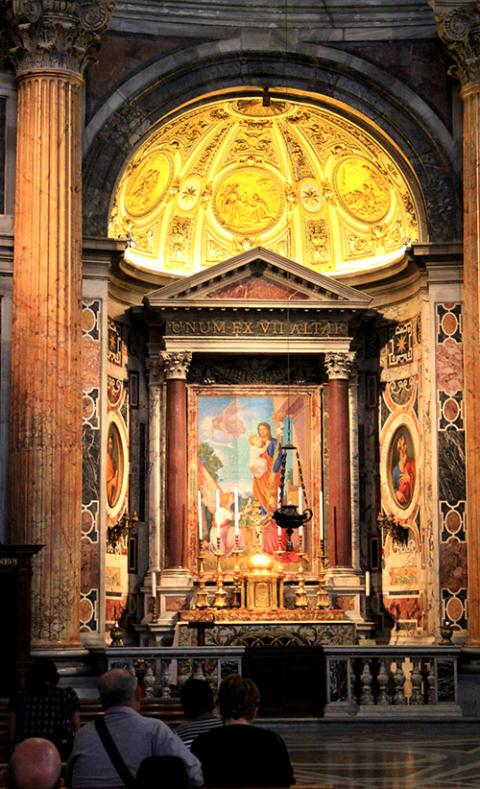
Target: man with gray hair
x,y
35,764
97,762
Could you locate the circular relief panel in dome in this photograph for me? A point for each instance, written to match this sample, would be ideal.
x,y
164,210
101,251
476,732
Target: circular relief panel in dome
x,y
310,196
146,185
189,193
255,108
248,200
362,189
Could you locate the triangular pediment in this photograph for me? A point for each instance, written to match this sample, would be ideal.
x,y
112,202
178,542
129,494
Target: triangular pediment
x,y
258,278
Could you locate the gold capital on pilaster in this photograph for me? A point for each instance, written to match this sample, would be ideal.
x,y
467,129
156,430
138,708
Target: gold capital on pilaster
x,y
176,364
458,26
54,34
339,365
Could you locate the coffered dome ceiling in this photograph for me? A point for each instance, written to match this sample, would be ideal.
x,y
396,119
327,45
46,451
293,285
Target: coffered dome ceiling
x,y
304,181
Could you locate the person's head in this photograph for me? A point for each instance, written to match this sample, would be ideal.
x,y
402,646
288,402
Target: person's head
x,y
42,674
264,431
238,698
196,697
35,764
255,440
118,688
110,444
402,446
169,772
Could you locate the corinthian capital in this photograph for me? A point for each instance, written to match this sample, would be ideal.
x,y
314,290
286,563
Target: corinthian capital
x,y
54,34
176,364
458,26
339,365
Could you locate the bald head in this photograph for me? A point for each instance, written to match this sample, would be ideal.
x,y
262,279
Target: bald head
x,y
117,688
35,764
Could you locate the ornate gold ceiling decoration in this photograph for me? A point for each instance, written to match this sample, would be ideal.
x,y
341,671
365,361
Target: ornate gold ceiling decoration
x,y
301,180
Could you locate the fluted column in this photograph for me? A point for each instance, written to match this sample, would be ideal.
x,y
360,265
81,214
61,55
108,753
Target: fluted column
x,y
176,366
459,28
155,448
51,43
338,367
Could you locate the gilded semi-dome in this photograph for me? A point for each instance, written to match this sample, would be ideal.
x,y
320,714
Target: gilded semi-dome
x,y
304,181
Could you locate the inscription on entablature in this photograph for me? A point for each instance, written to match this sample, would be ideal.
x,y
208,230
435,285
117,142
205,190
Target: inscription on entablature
x,y
256,328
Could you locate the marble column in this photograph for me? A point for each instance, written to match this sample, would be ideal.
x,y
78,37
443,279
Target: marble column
x,y
176,366
338,366
51,43
459,28
155,452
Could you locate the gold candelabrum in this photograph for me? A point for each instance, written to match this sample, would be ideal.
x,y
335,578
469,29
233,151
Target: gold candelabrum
x,y
220,595
301,599
323,600
201,598
237,579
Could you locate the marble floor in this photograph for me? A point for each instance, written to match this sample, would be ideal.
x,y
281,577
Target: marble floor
x,y
394,755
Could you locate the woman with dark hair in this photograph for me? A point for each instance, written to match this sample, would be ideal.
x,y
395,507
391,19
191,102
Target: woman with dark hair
x,y
44,710
263,760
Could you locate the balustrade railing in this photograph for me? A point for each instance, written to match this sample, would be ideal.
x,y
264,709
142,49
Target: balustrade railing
x,y
161,668
406,680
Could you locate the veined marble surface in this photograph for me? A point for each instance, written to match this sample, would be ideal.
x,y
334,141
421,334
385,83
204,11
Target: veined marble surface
x,y
391,756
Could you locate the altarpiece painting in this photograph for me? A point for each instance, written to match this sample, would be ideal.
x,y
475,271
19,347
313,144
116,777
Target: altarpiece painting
x,y
236,436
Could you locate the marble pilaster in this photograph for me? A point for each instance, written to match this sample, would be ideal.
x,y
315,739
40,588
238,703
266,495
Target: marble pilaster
x,y
155,453
459,28
51,42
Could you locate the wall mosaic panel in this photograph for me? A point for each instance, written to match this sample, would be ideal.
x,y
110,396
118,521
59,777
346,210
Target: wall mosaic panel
x,y
90,545
451,463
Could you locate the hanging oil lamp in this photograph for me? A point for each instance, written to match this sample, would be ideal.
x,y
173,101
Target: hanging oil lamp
x,y
287,516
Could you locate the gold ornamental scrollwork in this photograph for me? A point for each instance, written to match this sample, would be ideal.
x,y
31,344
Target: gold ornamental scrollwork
x,y
361,189
248,200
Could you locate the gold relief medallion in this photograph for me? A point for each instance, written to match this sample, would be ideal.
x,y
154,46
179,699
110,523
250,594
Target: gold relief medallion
x,y
146,186
249,200
362,189
310,196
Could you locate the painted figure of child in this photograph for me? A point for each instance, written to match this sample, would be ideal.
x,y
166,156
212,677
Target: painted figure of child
x,y
257,463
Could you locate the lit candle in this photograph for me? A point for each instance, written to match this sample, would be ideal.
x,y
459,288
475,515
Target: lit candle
x,y
367,583
237,517
217,512
200,522
154,584
279,532
279,498
321,516
300,499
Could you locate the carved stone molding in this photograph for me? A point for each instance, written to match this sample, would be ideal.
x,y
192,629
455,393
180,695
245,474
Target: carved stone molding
x,y
155,369
459,29
176,364
339,365
54,34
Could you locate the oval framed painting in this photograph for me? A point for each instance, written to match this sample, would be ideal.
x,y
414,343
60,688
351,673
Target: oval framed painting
x,y
115,465
401,466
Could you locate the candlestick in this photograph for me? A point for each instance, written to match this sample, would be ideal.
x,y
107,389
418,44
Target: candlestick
x,y
200,521
300,500
237,516
367,583
279,498
300,539
217,515
322,535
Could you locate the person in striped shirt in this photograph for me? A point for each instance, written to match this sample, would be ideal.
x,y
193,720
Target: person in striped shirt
x,y
196,697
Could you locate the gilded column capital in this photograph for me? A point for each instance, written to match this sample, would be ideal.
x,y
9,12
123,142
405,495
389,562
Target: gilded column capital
x,y
176,364
458,26
54,34
339,365
155,369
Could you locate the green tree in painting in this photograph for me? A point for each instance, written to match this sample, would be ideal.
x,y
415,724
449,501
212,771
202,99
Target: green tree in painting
x,y
209,460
